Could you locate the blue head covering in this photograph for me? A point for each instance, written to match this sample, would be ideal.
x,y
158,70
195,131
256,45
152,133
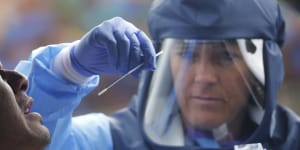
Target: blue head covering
x,y
228,19
216,19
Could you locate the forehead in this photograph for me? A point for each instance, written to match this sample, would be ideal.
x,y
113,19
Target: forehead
x,y
195,45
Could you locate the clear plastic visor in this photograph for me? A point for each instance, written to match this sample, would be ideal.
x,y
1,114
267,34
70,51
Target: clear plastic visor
x,y
206,89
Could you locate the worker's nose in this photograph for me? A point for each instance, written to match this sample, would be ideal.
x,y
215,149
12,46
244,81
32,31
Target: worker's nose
x,y
206,73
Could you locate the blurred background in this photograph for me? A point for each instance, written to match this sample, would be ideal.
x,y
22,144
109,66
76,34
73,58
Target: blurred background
x,y
29,24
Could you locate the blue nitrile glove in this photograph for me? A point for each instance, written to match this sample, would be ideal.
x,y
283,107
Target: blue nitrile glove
x,y
113,47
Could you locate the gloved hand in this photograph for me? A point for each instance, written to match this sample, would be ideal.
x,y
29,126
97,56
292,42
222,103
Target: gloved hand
x,y
113,47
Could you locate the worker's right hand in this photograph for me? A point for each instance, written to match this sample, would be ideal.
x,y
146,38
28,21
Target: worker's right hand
x,y
113,47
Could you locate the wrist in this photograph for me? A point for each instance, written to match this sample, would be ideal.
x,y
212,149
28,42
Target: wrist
x,y
62,66
75,62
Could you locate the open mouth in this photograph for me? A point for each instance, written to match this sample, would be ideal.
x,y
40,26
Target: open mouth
x,y
27,111
27,107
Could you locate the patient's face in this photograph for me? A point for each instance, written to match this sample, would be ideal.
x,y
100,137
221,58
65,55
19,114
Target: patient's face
x,y
20,128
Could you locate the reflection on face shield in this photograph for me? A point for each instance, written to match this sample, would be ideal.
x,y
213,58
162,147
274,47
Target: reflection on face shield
x,y
211,88
206,78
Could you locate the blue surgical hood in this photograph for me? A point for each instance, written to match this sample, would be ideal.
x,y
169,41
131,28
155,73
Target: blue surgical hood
x,y
225,19
216,19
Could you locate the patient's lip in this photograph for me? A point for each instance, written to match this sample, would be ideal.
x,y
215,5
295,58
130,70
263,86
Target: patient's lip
x,y
28,105
35,116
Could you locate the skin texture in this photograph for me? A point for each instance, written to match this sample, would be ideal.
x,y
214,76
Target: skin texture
x,y
210,89
20,128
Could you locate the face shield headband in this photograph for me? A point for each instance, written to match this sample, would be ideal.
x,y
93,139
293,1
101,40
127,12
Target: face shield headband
x,y
206,89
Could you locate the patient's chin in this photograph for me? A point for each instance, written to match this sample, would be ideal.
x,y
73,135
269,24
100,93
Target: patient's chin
x,y
39,133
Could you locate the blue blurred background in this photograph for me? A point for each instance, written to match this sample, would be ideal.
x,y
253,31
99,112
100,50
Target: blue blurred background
x,y
29,24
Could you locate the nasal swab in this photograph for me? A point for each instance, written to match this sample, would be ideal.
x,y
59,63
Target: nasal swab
x,y
125,75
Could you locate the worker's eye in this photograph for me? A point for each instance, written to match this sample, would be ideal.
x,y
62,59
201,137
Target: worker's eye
x,y
189,56
225,57
184,54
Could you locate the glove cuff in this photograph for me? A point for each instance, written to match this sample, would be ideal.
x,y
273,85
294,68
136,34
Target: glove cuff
x,y
62,65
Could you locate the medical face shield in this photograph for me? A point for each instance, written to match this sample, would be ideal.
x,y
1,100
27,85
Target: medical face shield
x,y
206,90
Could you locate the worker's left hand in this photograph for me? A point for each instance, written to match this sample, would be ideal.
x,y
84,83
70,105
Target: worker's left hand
x,y
113,47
